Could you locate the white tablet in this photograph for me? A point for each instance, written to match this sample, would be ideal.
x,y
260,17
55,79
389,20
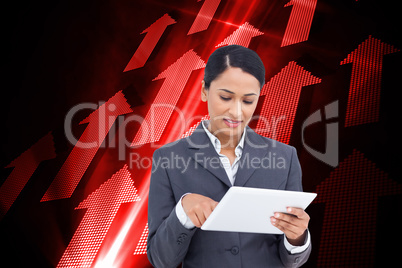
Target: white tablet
x,y
245,209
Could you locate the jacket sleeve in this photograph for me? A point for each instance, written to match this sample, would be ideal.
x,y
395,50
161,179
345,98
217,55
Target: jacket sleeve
x,y
168,239
294,183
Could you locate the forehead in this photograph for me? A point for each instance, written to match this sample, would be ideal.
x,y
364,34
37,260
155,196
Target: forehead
x,y
237,81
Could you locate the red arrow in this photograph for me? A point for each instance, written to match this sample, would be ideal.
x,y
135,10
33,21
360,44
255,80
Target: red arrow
x,y
165,101
154,33
365,85
99,124
282,95
351,196
299,23
242,36
102,206
204,16
192,128
141,247
25,165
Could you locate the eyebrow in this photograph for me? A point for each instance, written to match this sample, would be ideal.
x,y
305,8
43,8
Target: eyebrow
x,y
228,91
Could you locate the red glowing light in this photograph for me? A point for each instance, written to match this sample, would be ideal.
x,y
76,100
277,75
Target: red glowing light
x,y
111,235
299,23
242,36
282,95
102,206
142,243
99,124
204,16
191,130
365,83
154,33
24,166
177,75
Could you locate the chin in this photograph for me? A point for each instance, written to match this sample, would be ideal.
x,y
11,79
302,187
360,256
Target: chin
x,y
233,131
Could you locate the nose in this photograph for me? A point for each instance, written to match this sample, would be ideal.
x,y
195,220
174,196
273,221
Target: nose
x,y
235,110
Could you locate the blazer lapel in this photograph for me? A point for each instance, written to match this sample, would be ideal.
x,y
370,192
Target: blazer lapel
x,y
203,152
254,147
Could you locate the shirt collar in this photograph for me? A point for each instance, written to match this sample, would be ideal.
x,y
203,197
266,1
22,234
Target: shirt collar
x,y
216,142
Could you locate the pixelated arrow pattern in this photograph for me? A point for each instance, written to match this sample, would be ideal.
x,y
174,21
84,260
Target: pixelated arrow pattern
x,y
99,123
102,206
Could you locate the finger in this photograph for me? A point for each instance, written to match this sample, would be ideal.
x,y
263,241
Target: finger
x,y
298,212
289,229
207,212
300,223
301,215
201,217
194,220
287,226
290,219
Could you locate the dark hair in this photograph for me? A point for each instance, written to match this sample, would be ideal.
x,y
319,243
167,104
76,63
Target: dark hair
x,y
234,56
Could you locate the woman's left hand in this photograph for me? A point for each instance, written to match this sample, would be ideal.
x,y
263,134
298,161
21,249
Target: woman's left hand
x,y
294,226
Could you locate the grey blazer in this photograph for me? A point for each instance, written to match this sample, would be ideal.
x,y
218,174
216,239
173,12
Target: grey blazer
x,y
191,165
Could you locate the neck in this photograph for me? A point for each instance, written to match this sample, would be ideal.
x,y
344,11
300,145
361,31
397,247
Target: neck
x,y
228,142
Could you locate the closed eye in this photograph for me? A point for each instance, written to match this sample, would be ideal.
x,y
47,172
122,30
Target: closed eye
x,y
227,99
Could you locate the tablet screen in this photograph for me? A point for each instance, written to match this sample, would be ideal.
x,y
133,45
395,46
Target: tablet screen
x,y
245,209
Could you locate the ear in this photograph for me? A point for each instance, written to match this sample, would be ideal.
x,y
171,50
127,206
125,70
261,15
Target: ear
x,y
204,92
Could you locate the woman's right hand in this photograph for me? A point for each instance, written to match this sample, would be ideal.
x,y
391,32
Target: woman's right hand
x,y
198,208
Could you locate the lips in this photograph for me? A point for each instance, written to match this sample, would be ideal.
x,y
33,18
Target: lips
x,y
231,122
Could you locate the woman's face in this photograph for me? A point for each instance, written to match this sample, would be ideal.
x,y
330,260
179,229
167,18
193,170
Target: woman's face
x,y
232,98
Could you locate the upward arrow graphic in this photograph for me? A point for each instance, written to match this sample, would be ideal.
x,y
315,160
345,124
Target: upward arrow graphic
x,y
154,33
24,166
176,77
99,123
204,16
299,23
102,206
365,84
351,196
242,36
282,95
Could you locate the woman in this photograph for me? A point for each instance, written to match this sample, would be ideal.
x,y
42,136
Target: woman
x,y
191,175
